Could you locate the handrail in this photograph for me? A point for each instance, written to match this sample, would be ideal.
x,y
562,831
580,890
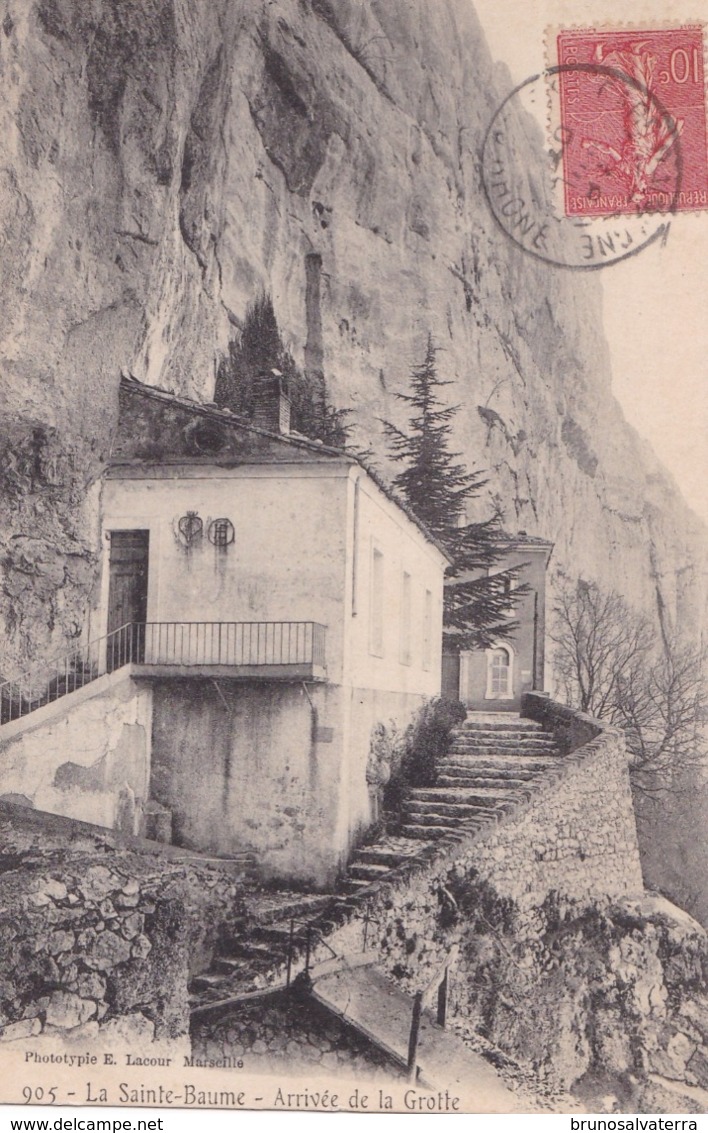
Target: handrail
x,y
60,658
311,932
247,644
61,675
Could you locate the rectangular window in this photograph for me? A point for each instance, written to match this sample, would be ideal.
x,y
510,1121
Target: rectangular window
x,y
428,630
376,604
405,624
499,674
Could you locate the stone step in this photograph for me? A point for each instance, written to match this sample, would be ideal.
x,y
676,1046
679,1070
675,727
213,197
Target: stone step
x,y
228,965
470,779
510,723
426,812
234,974
246,951
480,817
249,962
352,885
500,743
429,833
527,733
481,795
525,729
479,735
456,755
500,760
500,772
291,905
208,980
367,871
277,935
221,988
373,855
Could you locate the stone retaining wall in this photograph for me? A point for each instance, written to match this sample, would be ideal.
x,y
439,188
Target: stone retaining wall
x,y
574,836
289,1035
571,729
554,953
100,944
570,839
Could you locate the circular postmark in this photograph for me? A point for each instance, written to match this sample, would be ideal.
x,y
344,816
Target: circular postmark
x,y
528,179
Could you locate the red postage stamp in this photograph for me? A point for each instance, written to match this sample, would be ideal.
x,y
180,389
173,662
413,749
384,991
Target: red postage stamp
x,y
632,120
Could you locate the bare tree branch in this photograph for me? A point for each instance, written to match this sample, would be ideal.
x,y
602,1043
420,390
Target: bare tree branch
x,y
611,663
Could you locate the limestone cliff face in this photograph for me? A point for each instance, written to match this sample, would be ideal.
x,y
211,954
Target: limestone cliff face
x,y
164,161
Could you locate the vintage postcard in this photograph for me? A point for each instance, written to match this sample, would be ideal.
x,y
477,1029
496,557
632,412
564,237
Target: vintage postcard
x,y
353,593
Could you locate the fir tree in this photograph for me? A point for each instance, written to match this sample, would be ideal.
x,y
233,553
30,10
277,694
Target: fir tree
x,y
259,348
437,486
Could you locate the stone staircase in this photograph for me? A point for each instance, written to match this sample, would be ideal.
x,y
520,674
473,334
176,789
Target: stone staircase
x,y
255,957
492,763
374,862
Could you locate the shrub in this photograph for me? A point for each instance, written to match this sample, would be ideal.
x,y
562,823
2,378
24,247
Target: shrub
x,y
428,741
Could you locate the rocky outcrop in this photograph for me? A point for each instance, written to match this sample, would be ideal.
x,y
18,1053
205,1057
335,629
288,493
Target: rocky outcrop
x,y
163,162
608,1003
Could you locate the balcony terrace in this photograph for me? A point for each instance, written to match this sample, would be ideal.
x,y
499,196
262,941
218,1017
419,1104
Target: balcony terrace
x,y
274,651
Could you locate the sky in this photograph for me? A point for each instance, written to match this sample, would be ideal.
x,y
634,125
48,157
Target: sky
x,y
654,304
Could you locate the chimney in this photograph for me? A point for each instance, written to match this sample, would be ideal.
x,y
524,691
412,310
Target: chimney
x,y
271,408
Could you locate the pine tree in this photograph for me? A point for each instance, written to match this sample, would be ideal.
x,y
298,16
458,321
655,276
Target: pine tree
x,y
437,486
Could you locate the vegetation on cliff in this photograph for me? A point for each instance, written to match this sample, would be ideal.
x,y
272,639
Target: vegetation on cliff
x,y
258,349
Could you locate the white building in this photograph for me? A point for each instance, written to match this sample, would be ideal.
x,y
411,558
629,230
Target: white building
x,y
264,605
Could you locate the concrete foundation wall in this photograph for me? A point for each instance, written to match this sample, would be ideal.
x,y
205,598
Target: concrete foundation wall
x,y
294,776
246,766
86,756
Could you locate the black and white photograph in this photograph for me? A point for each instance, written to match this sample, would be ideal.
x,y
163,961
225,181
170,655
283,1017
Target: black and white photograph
x,y
354,558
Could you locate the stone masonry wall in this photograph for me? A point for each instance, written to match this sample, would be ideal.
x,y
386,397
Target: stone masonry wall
x,y
289,1035
575,835
570,843
98,943
555,955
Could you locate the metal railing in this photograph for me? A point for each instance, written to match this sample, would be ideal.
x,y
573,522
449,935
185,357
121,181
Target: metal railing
x,y
245,644
230,643
71,671
312,936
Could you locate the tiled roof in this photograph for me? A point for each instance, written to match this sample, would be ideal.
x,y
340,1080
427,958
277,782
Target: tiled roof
x,y
215,412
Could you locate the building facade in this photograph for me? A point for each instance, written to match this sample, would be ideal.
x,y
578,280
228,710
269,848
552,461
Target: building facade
x,y
271,604
495,679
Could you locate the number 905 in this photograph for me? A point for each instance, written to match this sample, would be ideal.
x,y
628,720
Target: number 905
x,y
39,1095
